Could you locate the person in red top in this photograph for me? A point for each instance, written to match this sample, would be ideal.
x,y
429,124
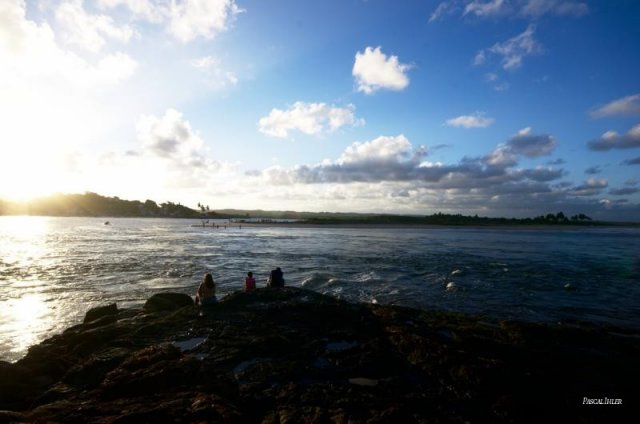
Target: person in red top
x,y
249,282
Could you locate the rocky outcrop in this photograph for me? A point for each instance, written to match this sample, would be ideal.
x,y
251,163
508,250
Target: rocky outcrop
x,y
291,355
167,302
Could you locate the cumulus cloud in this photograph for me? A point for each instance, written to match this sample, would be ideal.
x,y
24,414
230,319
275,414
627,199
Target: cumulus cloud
x,y
629,105
169,136
29,50
373,71
186,20
531,145
475,120
308,118
86,30
390,174
394,159
169,143
215,76
512,51
612,140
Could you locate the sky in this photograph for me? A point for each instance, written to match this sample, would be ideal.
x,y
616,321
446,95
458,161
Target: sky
x,y
491,107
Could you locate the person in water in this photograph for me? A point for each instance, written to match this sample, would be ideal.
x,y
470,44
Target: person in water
x,y
206,294
249,282
275,278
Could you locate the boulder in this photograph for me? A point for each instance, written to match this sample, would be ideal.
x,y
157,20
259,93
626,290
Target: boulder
x,y
100,311
167,302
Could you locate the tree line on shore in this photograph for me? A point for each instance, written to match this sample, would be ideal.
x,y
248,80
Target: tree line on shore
x,y
93,204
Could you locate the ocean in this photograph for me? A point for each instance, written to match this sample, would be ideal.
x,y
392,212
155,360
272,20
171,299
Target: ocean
x,y
52,270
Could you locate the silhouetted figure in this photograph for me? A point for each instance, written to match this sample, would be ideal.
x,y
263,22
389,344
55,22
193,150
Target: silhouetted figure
x,y
249,282
206,294
275,278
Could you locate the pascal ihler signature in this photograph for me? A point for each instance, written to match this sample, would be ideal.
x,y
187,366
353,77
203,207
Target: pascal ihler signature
x,y
601,401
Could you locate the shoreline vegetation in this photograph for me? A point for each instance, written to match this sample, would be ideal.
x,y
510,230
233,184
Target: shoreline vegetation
x,y
294,355
95,205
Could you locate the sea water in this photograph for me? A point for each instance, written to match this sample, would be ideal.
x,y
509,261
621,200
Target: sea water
x,y
52,270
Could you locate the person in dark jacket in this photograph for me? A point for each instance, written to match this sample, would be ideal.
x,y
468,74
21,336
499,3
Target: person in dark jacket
x,y
275,278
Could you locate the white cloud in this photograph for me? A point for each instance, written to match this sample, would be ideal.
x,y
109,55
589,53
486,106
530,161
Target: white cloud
x,y
190,19
169,136
514,50
215,76
29,52
186,20
374,71
309,118
141,9
629,105
489,8
86,30
380,149
475,120
444,8
486,9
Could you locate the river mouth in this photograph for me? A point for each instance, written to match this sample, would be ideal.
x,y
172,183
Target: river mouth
x,y
54,269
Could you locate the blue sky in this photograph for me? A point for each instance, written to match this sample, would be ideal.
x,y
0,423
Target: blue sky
x,y
495,107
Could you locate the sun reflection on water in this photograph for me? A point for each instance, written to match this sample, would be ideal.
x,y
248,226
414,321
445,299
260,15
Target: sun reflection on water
x,y
22,321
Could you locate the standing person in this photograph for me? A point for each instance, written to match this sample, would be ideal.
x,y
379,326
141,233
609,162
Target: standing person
x,y
249,282
275,278
206,294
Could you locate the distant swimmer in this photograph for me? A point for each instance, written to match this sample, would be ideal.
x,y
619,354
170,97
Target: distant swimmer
x,y
206,294
107,223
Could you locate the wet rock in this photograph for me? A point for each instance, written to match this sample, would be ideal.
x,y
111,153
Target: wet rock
x,y
167,302
100,311
290,355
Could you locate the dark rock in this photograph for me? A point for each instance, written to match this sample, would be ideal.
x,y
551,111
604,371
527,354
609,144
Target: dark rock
x,y
290,355
100,311
167,302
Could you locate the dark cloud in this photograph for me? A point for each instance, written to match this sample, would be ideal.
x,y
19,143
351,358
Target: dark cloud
x,y
624,191
612,140
543,174
531,145
593,170
591,187
634,161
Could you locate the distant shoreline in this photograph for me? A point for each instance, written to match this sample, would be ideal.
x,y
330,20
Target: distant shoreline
x,y
420,226
333,224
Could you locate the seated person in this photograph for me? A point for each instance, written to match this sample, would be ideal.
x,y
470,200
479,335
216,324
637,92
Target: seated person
x,y
249,282
275,278
206,294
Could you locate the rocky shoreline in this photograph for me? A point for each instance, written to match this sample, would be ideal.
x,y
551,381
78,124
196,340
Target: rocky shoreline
x,y
293,355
